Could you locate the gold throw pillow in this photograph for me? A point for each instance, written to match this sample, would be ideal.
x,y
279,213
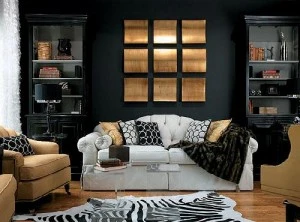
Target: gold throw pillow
x,y
113,130
216,129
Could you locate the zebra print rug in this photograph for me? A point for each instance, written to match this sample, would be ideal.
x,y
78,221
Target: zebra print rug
x,y
200,206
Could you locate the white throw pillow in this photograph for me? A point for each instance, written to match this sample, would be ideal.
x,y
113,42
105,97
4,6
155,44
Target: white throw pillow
x,y
196,131
103,142
129,132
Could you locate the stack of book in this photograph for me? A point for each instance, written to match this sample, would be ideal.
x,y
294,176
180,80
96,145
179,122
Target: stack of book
x,y
270,74
256,53
49,72
109,164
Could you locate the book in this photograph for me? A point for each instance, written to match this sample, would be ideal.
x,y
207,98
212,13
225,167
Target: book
x,y
110,161
106,169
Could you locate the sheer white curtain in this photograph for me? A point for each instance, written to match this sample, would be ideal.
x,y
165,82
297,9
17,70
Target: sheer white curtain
x,y
10,64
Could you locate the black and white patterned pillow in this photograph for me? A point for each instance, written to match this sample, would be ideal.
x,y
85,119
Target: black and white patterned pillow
x,y
196,131
18,144
129,132
148,133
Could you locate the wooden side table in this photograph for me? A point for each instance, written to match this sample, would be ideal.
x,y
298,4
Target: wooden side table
x,y
57,138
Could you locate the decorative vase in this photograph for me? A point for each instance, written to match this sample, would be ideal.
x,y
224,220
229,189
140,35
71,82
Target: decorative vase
x,y
64,47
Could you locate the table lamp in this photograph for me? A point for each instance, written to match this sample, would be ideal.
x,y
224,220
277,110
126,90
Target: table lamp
x,y
48,93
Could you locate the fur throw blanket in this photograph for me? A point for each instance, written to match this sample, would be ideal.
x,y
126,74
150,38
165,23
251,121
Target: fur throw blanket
x,y
224,158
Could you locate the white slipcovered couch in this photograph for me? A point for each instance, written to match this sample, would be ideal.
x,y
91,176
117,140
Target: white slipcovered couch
x,y
191,177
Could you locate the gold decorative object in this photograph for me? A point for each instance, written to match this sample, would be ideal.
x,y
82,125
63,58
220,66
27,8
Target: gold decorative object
x,y
135,60
44,50
193,31
165,60
165,90
193,89
135,31
135,89
193,60
165,31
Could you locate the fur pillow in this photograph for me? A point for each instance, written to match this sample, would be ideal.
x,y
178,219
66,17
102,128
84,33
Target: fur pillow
x,y
113,130
216,129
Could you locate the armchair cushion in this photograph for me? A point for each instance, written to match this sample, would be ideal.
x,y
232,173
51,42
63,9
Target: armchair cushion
x,y
17,143
38,166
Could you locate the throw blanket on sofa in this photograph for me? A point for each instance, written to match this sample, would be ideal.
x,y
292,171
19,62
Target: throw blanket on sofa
x,y
225,158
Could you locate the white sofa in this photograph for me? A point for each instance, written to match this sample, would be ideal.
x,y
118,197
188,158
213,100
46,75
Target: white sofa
x,y
191,176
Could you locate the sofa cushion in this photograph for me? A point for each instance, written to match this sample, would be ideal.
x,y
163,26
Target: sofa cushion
x,y
172,127
216,129
177,155
129,131
197,130
148,133
38,166
142,155
18,144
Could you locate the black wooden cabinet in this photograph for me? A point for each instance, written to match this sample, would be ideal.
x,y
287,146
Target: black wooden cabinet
x,y
73,127
266,71
49,62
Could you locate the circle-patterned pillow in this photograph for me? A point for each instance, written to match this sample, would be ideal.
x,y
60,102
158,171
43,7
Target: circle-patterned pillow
x,y
197,130
129,132
148,133
18,144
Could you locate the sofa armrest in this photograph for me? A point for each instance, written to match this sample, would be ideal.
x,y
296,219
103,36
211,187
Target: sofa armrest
x,y
44,147
253,145
11,163
86,145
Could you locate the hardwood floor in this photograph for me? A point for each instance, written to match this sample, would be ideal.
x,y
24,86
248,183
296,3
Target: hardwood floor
x,y
255,205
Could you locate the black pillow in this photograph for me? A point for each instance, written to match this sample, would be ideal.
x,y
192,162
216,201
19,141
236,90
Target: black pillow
x,y
18,144
148,133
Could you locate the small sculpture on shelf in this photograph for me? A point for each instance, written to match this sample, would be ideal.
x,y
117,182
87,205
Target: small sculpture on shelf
x,y
283,47
271,54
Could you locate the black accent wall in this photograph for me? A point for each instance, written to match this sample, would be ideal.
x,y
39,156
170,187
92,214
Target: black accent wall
x,y
106,55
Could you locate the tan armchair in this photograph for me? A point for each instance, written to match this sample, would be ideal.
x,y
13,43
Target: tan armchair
x,y
39,174
284,178
8,188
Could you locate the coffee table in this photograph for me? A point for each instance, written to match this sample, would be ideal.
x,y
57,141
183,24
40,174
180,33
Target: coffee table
x,y
115,179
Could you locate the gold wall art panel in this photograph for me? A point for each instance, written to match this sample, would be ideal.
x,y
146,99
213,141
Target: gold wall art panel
x,y
193,60
165,90
165,31
193,31
135,89
165,60
193,89
135,60
135,31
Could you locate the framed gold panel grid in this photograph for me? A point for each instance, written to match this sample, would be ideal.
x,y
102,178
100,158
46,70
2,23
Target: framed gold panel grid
x,y
135,60
193,89
165,90
193,60
193,31
135,89
165,31
135,31
165,60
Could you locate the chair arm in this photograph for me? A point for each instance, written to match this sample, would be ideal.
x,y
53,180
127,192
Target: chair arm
x,y
86,145
11,163
44,147
253,145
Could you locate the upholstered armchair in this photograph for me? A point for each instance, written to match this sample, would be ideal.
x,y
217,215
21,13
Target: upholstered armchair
x,y
38,174
284,179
